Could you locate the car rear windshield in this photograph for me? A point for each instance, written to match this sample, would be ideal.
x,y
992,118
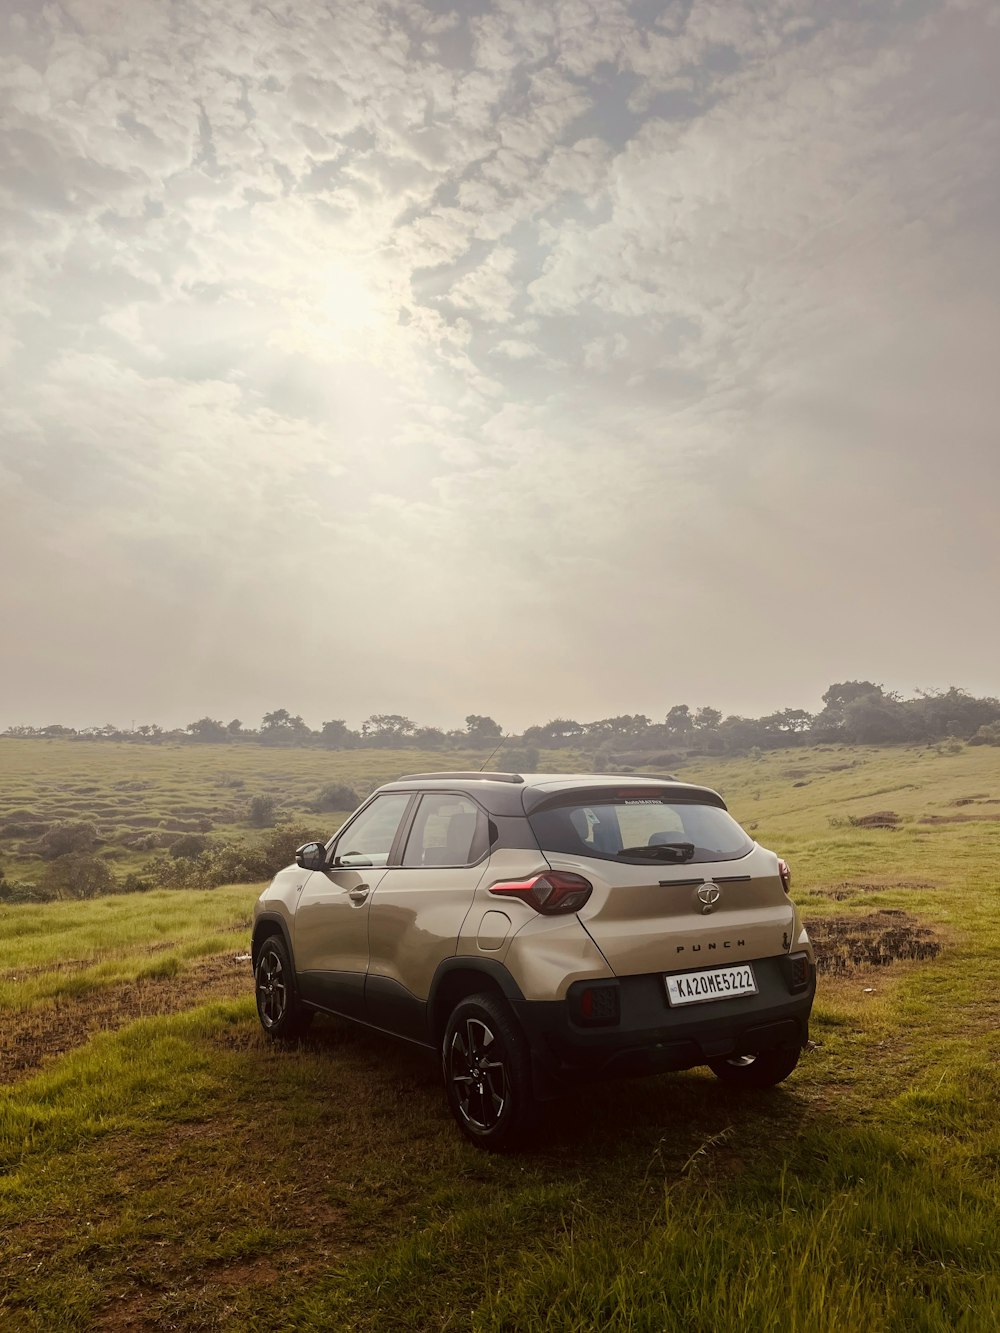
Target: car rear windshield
x,y
641,829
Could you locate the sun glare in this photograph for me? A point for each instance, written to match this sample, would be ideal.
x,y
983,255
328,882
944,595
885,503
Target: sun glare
x,y
348,302
347,312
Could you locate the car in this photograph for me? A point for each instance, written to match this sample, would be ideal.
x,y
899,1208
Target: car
x,y
540,930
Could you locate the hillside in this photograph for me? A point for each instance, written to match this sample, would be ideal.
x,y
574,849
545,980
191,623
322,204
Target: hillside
x,y
166,1167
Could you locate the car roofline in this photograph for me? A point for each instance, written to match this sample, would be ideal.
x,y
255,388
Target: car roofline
x,y
522,793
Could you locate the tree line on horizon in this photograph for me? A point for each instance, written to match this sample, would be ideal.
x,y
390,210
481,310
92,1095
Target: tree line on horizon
x,y
854,712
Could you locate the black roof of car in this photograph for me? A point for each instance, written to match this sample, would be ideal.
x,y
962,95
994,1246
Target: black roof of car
x,y
506,794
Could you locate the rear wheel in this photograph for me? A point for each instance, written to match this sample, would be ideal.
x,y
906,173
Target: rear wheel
x,y
281,1015
487,1072
757,1071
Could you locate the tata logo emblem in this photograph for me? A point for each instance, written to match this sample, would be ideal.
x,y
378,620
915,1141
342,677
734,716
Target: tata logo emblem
x,y
708,895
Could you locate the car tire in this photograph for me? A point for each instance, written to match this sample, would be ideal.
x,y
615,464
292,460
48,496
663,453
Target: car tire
x,y
487,1073
281,1014
757,1071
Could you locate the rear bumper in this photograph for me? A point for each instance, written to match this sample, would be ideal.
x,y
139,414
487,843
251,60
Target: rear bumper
x,y
651,1037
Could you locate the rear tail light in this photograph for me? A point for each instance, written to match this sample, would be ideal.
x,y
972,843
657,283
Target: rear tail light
x,y
785,873
554,892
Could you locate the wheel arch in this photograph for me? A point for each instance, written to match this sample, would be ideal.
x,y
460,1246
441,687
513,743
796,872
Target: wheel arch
x,y
266,925
457,978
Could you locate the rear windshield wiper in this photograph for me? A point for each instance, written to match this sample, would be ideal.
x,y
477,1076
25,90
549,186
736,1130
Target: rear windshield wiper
x,y
662,851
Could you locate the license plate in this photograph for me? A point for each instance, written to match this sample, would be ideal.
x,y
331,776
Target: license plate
x,y
722,983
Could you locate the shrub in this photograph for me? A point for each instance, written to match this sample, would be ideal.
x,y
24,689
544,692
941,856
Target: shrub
x,y
261,810
231,862
13,892
64,839
136,883
988,734
189,845
146,842
78,875
335,796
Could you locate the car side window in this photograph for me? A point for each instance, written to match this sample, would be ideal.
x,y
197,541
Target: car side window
x,y
368,840
448,830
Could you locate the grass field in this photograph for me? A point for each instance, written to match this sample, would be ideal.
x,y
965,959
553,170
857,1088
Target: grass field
x,y
163,1166
142,794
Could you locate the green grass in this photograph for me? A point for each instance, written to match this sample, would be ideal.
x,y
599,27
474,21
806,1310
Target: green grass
x,y
127,790
181,1172
114,940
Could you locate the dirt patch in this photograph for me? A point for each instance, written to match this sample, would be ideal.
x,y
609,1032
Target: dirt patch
x,y
850,888
32,1038
879,819
977,818
847,944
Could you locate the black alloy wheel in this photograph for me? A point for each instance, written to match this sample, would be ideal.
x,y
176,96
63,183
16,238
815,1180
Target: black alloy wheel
x,y
281,1015
487,1072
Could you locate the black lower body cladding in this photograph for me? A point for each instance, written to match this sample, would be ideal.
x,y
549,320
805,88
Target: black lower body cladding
x,y
650,1036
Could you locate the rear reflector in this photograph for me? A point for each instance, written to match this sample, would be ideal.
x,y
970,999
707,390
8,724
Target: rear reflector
x,y
554,892
595,1004
798,972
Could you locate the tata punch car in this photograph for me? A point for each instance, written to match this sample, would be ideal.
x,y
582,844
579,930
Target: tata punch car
x,y
537,930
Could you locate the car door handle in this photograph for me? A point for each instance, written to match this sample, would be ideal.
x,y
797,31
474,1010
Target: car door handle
x,y
359,894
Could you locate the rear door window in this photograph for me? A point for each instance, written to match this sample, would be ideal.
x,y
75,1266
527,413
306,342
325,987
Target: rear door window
x,y
641,829
448,830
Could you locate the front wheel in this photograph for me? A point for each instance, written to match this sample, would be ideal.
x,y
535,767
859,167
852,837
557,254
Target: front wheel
x,y
281,1015
487,1072
757,1071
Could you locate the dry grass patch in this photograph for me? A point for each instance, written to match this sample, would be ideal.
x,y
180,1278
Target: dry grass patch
x,y
849,944
851,888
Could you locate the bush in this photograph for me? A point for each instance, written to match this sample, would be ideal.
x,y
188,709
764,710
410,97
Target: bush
x,y
78,875
988,734
64,839
146,842
335,796
189,845
261,810
136,883
230,862
12,892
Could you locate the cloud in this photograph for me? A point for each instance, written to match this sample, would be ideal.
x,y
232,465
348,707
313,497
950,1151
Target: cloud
x,y
619,326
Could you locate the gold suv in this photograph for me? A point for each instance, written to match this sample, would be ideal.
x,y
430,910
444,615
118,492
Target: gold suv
x,y
537,930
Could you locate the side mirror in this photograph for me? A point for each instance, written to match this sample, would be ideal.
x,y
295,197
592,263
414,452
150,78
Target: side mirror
x,y
311,856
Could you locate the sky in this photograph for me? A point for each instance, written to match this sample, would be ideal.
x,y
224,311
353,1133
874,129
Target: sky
x,y
536,360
